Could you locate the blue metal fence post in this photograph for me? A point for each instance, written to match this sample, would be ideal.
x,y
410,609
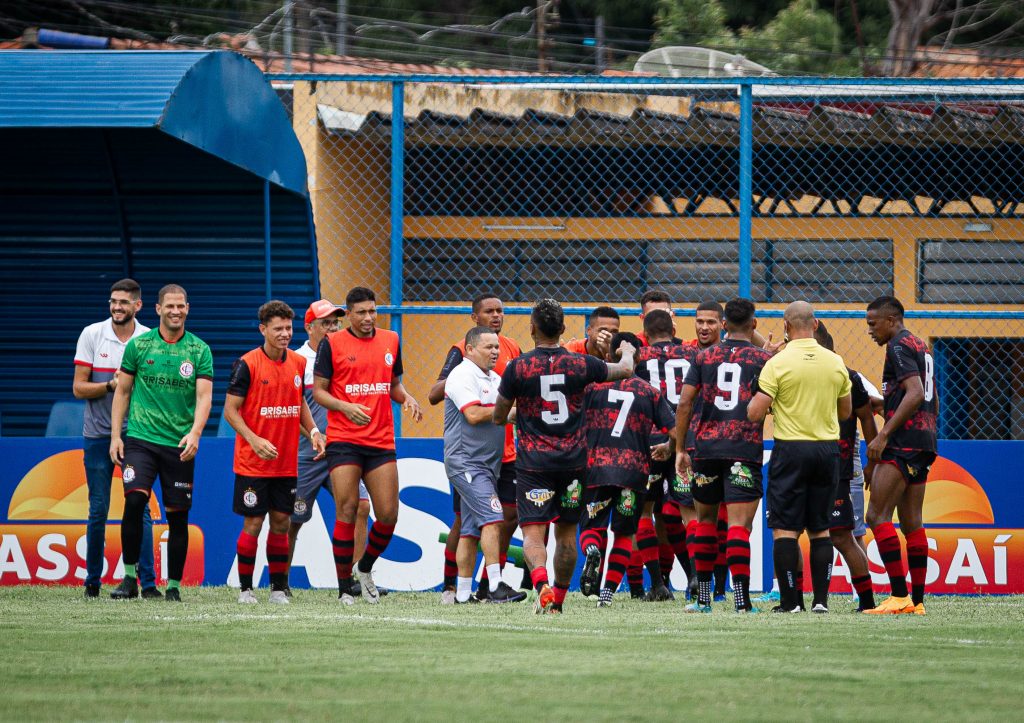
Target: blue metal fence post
x,y
746,186
397,215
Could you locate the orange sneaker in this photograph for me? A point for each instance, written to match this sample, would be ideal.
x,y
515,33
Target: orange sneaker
x,y
545,599
919,609
893,606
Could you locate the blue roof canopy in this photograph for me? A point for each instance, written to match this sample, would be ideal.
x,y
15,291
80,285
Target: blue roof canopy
x,y
217,101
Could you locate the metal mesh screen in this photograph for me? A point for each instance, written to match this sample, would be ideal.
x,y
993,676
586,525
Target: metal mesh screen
x,y
593,191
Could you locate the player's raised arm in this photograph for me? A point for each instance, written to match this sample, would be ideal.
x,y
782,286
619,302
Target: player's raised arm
x,y
624,367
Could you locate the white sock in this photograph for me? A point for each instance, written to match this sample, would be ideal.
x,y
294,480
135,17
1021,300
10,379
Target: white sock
x,y
464,588
494,576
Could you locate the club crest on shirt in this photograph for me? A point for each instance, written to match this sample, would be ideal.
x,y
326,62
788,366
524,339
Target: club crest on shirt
x,y
249,498
297,381
186,370
388,358
540,496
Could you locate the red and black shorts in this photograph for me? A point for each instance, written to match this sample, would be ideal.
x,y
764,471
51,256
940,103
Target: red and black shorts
x,y
715,481
358,455
145,461
544,496
913,464
255,496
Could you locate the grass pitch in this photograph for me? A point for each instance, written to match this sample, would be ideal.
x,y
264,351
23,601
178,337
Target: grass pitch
x,y
411,658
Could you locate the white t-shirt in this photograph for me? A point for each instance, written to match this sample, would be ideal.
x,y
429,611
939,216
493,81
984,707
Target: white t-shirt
x,y
468,446
100,350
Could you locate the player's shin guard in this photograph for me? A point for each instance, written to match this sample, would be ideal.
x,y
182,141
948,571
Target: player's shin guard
x,y
892,557
618,559
177,544
647,544
706,542
246,548
721,560
786,554
738,554
376,542
277,560
131,527
821,568
917,561
343,542
451,568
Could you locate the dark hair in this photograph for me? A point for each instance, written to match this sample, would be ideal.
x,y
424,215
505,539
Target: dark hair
x,y
888,305
622,336
474,334
711,306
481,298
129,286
170,289
275,309
739,313
822,336
604,312
548,317
359,294
654,295
657,322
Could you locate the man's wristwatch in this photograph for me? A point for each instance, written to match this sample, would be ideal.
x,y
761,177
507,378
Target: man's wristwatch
x,y
109,388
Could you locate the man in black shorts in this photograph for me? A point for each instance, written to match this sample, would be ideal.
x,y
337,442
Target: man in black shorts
x,y
728,453
546,386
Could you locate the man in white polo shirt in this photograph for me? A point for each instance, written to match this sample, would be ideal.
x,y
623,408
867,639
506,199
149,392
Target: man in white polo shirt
x,y
473,449
97,358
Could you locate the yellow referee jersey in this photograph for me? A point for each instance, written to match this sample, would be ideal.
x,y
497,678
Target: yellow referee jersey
x,y
805,380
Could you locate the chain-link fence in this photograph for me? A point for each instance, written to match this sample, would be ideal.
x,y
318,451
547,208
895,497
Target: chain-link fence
x,y
592,191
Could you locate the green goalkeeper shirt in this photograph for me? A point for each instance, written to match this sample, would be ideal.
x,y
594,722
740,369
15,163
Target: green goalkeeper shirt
x,y
163,404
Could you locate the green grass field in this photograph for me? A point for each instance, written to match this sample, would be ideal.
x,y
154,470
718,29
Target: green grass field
x,y
411,658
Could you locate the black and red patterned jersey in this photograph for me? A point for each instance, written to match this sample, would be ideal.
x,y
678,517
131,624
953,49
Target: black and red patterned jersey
x,y
907,356
620,417
724,376
848,428
547,387
664,366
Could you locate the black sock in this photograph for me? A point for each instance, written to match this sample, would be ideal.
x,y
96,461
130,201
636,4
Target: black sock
x,y
654,571
131,527
720,572
741,592
177,543
821,568
786,554
278,581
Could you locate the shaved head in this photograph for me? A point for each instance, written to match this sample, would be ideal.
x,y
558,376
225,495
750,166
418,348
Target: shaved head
x,y
800,316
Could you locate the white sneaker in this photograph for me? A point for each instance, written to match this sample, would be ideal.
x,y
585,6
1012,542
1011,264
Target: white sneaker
x,y
370,593
820,609
246,597
278,597
448,597
346,599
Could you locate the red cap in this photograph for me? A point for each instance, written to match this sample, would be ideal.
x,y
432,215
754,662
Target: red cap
x,y
322,309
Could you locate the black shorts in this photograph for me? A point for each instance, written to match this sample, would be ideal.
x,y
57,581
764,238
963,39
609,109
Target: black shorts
x,y
549,496
842,511
658,481
145,461
601,502
255,496
803,479
358,455
912,464
507,484
680,489
715,481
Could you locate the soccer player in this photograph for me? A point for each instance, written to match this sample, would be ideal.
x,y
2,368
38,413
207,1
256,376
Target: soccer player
x,y
663,364
620,418
321,318
266,408
546,385
487,311
603,325
844,522
100,348
807,388
357,374
167,375
473,448
726,464
904,450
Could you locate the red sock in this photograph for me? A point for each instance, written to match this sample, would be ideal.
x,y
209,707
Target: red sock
x,y
635,570
892,557
502,559
722,531
647,541
377,541
246,548
277,560
666,558
588,538
675,530
917,561
539,577
604,546
342,542
559,593
618,558
691,543
738,546
706,544
451,568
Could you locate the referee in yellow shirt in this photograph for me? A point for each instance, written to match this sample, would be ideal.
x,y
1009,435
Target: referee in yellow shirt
x,y
807,388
